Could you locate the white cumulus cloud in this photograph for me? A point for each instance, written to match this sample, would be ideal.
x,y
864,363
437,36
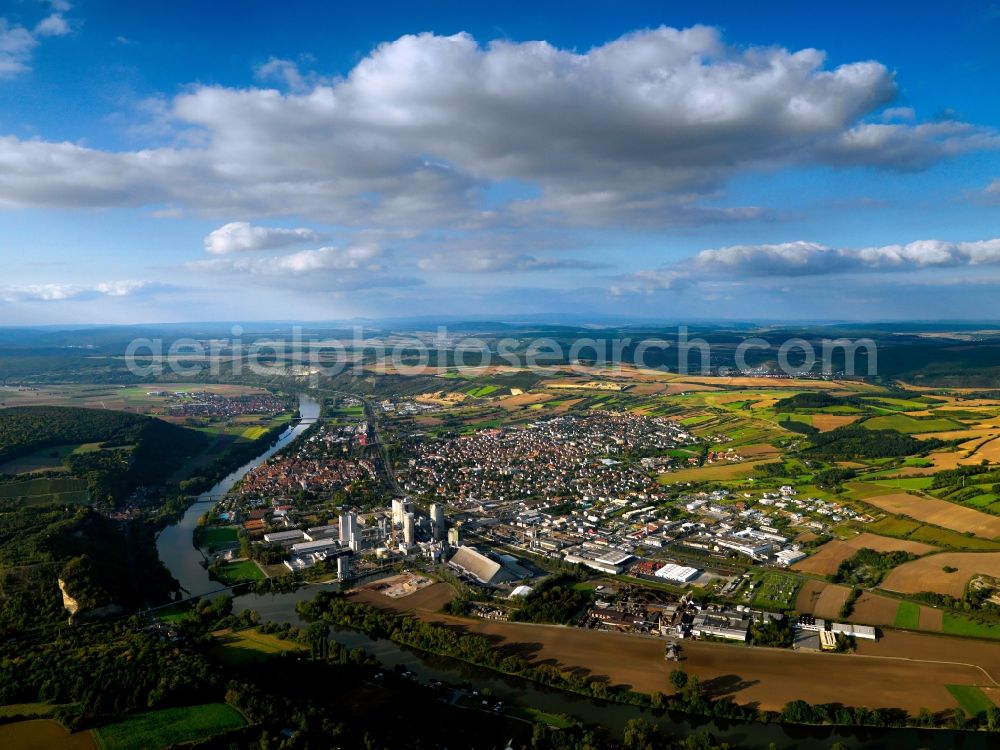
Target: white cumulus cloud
x,y
739,263
649,127
57,292
240,236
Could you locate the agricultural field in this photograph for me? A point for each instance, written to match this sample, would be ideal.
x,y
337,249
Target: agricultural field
x,y
988,451
712,473
821,599
43,734
830,555
945,573
170,726
827,422
45,490
972,700
937,512
907,616
874,609
955,624
134,399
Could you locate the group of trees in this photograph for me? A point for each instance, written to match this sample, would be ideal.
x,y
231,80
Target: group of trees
x,y
856,442
867,567
555,600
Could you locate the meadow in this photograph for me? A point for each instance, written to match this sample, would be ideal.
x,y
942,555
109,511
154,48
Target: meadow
x,y
170,726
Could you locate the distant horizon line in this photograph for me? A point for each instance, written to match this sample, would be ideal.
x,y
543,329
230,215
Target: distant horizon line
x,y
536,319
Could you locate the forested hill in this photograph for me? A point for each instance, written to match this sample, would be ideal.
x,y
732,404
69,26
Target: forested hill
x,y
133,450
100,561
24,429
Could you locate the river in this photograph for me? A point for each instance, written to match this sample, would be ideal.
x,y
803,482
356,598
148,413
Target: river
x,y
175,543
176,549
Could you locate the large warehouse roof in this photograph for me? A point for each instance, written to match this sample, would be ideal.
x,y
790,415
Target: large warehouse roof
x,y
477,565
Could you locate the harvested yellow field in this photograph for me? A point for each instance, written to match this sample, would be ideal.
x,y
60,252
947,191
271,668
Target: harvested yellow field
x,y
989,451
973,433
590,385
945,459
939,513
525,399
830,555
711,473
827,422
928,573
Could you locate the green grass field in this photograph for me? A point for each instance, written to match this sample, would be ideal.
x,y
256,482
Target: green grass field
x,y
908,483
159,729
955,540
214,536
482,391
954,624
912,425
897,527
777,591
907,616
970,698
901,404
249,646
244,570
45,459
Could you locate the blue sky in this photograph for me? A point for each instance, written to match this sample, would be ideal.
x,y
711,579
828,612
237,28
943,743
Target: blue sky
x,y
198,161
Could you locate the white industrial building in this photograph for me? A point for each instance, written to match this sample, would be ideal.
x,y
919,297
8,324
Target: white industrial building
x,y
789,557
311,548
858,631
604,559
486,570
285,538
322,532
677,573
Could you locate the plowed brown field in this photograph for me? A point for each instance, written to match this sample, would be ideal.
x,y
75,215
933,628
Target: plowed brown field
x,y
830,555
821,599
927,574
